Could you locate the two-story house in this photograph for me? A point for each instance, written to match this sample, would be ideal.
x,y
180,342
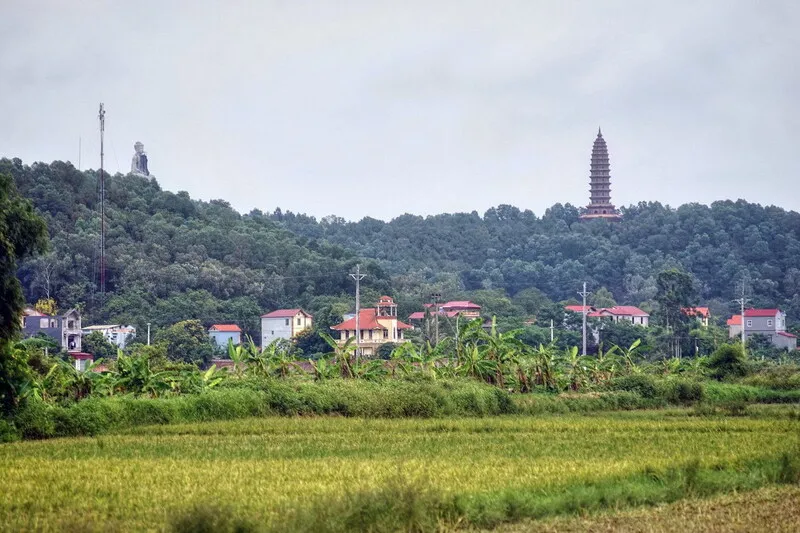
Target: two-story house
x,y
376,326
116,334
222,333
284,324
768,322
64,329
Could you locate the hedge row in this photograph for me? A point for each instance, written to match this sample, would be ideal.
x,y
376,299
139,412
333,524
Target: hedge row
x,y
391,399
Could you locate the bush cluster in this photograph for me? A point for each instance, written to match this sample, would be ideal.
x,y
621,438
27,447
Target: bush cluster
x,y
392,399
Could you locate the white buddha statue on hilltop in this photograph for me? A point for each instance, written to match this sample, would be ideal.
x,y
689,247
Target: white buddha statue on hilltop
x,y
139,161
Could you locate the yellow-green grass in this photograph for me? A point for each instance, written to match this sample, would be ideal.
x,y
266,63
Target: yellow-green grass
x,y
142,479
769,509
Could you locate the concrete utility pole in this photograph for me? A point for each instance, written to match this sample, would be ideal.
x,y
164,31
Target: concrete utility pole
x,y
741,302
584,294
436,297
551,330
148,333
358,276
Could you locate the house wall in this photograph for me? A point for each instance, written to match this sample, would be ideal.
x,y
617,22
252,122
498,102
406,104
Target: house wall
x,y
276,328
221,337
787,343
299,323
33,325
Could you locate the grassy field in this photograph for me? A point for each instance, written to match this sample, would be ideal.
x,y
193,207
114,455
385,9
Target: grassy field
x,y
770,509
318,473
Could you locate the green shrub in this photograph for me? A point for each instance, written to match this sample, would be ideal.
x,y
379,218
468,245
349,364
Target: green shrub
x,y
8,432
34,420
728,361
682,391
642,384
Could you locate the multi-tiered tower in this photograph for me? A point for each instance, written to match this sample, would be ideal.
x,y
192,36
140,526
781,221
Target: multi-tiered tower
x,y
600,205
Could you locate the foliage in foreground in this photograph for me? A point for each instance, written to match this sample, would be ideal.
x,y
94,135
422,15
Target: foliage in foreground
x,y
494,468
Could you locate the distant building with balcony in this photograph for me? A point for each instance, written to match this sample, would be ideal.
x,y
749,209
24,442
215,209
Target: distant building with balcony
x,y
376,326
768,322
284,324
116,334
65,329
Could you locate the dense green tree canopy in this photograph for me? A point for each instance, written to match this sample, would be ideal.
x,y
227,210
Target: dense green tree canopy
x,y
22,233
173,258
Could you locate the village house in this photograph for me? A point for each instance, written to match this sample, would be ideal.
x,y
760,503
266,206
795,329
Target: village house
x,y
284,324
116,334
65,329
460,308
618,313
222,333
701,313
376,326
768,322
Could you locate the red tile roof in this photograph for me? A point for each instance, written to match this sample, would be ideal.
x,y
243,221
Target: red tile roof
x,y
761,312
735,320
285,313
418,315
624,310
696,311
786,334
231,328
579,308
368,320
459,304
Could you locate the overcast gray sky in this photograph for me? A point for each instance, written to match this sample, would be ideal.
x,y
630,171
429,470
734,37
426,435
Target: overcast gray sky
x,y
377,108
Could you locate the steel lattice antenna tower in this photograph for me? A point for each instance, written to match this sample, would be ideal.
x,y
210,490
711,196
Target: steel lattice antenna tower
x,y
102,117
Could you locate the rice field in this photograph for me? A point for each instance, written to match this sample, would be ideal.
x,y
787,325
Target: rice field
x,y
263,470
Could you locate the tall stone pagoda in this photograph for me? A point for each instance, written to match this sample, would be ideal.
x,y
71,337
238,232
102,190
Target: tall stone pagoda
x,y
600,205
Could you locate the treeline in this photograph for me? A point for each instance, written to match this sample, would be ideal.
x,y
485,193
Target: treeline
x,y
721,246
172,258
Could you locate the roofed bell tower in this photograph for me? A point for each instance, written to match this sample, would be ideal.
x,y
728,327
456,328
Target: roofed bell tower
x,y
600,205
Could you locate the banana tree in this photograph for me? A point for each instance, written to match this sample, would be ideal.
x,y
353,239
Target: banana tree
x,y
323,369
545,367
574,368
280,358
341,353
238,354
628,356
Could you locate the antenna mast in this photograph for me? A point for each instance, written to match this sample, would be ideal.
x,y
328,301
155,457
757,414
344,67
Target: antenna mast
x,y
102,117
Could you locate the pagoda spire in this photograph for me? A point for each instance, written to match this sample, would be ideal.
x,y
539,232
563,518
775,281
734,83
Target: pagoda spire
x,y
600,205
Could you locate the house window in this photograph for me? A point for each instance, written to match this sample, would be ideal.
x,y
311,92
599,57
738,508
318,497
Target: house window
x,y
386,334
769,321
70,325
749,323
43,323
272,332
298,321
370,334
287,321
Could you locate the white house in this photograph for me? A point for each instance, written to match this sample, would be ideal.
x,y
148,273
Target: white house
x,y
117,334
222,333
283,324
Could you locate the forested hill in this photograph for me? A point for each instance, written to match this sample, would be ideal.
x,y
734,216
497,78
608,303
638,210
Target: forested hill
x,y
169,257
172,258
513,250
